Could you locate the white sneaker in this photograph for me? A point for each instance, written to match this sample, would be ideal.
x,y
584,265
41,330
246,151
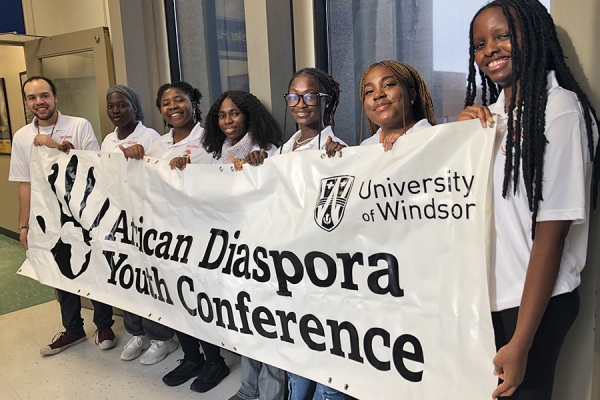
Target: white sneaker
x,y
158,351
134,347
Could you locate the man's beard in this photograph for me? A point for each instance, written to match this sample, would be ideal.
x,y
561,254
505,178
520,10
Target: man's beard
x,y
50,114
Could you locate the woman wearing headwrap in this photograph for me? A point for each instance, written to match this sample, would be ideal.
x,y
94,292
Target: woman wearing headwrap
x,y
124,109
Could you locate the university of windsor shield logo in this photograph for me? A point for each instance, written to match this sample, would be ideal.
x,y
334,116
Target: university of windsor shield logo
x,y
332,200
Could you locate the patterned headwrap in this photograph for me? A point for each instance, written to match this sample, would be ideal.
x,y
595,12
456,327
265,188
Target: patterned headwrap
x,y
133,98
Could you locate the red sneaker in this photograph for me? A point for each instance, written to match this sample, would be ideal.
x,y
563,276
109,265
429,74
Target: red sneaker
x,y
105,338
61,342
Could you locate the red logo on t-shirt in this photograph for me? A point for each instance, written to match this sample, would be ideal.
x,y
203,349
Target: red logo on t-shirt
x,y
64,139
503,146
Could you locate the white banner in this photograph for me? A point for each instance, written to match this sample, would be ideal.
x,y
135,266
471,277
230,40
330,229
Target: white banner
x,y
366,272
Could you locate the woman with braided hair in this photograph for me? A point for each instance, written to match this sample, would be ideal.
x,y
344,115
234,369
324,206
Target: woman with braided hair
x,y
541,185
396,102
312,98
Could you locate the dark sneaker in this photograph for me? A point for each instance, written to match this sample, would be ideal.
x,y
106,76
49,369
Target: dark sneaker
x,y
236,397
105,338
61,342
185,371
210,376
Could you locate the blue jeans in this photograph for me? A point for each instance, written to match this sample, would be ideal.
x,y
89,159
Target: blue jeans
x,y
305,389
261,381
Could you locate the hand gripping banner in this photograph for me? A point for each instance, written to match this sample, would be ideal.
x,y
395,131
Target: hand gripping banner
x,y
366,272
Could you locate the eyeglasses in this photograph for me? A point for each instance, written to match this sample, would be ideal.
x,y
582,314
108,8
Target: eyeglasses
x,y
310,99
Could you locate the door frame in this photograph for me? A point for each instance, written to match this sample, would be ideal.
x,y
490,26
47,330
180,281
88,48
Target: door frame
x,y
96,40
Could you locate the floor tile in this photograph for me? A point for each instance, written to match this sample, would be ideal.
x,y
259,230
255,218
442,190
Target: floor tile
x,y
84,371
7,392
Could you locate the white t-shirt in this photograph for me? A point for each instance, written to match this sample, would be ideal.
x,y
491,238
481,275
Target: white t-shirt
x,y
191,146
313,144
565,192
140,135
377,137
77,131
272,151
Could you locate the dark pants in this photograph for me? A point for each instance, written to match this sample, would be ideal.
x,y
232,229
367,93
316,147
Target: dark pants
x,y
547,342
70,309
139,326
191,349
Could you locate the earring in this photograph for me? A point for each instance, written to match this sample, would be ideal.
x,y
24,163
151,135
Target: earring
x,y
194,118
412,102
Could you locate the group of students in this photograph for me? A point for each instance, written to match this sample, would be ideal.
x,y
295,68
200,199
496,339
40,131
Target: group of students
x,y
541,186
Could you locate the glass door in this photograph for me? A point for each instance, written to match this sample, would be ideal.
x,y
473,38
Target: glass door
x,y
81,66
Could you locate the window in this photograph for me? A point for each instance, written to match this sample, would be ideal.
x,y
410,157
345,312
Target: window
x,y
229,34
430,35
207,46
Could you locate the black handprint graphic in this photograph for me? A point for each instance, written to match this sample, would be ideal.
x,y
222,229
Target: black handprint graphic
x,y
61,250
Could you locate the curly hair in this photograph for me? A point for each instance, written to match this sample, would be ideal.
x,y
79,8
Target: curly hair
x,y
262,127
409,77
539,52
191,92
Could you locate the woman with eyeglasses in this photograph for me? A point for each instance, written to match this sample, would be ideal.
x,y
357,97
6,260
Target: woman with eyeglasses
x,y
312,99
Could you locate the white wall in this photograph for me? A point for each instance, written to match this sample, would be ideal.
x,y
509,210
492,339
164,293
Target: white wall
x,y
53,17
304,34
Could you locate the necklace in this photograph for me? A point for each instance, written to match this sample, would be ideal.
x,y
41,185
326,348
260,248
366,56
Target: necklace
x,y
37,125
51,133
303,142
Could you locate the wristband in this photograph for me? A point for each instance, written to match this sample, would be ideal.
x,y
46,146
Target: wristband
x,y
24,227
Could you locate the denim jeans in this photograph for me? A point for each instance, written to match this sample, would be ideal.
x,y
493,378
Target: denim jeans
x,y
70,309
261,381
305,389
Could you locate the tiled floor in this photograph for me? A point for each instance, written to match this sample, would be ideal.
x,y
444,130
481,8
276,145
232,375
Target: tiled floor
x,y
84,371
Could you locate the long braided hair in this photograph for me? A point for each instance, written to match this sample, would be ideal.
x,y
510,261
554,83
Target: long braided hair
x,y
406,75
263,128
327,85
539,52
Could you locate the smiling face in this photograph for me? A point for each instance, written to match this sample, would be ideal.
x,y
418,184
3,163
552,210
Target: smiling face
x,y
40,99
303,114
176,108
493,48
232,121
387,102
120,110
